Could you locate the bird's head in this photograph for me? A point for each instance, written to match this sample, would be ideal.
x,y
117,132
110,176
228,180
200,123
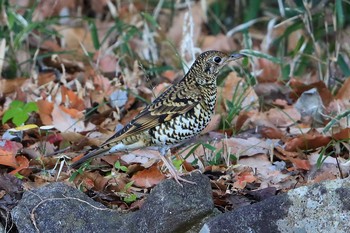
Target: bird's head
x,y
208,64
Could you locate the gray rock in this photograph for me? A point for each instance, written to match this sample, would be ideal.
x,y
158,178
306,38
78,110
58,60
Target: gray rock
x,y
61,208
323,207
172,208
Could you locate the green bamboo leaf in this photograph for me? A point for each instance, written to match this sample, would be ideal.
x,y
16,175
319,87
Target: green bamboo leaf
x,y
255,53
94,35
150,19
340,13
343,66
210,147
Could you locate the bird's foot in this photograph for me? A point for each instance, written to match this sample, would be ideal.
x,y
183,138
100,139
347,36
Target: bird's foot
x,y
177,177
174,173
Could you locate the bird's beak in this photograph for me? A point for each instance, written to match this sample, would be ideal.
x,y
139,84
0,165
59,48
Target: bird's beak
x,y
236,56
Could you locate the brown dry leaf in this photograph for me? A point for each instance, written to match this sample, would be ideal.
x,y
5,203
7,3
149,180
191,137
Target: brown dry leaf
x,y
107,63
70,97
271,132
299,88
8,151
50,45
103,84
65,122
248,147
283,117
301,163
169,75
270,71
45,78
111,159
218,42
51,8
76,37
74,137
310,140
175,33
272,92
297,158
266,172
45,110
148,178
243,179
8,86
99,181
239,146
240,120
22,162
343,93
8,159
343,135
145,157
72,112
234,86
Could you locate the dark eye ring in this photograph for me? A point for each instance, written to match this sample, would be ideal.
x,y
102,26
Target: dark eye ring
x,y
217,59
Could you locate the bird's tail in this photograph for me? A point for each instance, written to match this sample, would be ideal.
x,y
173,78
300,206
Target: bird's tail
x,y
91,154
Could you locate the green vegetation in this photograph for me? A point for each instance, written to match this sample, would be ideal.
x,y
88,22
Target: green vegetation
x,y
19,112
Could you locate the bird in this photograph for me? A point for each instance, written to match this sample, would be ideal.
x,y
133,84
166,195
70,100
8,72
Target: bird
x,y
180,113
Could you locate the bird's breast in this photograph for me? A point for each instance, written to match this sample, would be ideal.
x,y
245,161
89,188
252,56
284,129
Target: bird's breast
x,y
182,127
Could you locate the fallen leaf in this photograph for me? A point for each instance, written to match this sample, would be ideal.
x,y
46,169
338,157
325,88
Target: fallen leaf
x,y
45,110
243,179
8,151
310,140
148,178
271,132
297,158
71,100
8,159
63,120
299,88
22,162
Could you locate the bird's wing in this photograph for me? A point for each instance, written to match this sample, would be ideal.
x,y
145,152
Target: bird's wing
x,y
173,102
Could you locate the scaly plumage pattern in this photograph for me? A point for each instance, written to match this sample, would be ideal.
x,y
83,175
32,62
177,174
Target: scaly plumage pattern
x,y
180,113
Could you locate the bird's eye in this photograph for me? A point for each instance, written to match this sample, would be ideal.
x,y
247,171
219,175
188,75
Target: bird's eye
x,y
217,59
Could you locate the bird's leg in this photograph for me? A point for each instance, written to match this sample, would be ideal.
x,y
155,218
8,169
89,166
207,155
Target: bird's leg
x,y
173,172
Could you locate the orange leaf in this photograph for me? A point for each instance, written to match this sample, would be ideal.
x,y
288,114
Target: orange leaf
x,y
344,134
298,159
8,151
148,177
243,179
74,101
45,110
23,163
299,87
301,163
311,140
271,132
8,159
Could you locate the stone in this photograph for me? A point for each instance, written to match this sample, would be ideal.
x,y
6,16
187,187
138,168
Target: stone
x,y
169,207
322,207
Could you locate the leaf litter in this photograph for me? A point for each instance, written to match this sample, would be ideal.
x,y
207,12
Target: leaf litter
x,y
272,142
